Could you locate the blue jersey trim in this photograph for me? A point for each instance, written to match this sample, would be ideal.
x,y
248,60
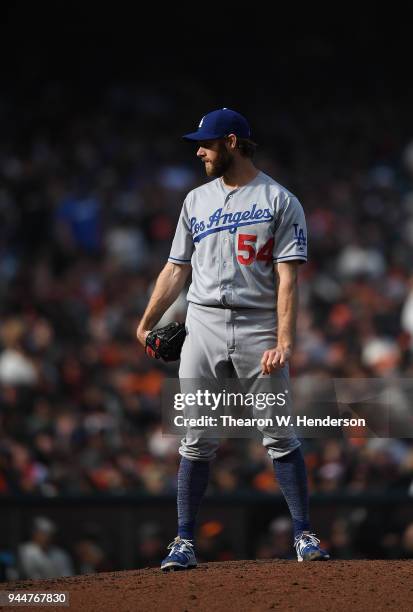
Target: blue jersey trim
x,y
291,257
176,259
230,227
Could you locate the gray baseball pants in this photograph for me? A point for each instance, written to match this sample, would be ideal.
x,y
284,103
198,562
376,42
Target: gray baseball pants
x,y
223,343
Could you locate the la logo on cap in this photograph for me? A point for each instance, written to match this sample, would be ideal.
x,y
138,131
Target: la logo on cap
x,y
202,121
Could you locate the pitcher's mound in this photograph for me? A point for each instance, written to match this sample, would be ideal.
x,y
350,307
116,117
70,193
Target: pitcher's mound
x,y
244,586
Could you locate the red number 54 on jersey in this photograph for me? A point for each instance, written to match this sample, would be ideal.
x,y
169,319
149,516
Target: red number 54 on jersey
x,y
264,253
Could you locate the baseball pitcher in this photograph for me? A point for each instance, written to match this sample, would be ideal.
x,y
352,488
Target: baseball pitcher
x,y
243,236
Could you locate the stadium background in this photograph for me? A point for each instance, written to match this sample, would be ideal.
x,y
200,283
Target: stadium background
x,y
92,177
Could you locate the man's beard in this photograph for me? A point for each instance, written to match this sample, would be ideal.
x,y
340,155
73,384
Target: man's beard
x,y
222,163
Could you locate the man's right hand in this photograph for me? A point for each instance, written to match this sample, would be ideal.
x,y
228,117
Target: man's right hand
x,y
141,335
168,286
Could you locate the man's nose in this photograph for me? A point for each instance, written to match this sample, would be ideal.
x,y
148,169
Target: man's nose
x,y
200,152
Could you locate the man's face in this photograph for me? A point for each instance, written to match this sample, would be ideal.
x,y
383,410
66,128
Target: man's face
x,y
216,156
42,538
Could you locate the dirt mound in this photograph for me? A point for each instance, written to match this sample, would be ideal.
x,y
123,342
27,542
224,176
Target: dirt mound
x,y
239,585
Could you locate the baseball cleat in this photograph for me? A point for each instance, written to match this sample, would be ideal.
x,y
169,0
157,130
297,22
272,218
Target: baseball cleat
x,y
181,557
308,549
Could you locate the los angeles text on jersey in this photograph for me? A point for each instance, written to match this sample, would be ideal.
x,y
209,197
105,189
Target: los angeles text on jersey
x,y
220,221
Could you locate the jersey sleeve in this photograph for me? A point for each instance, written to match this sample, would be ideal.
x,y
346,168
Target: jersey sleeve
x,y
290,236
182,244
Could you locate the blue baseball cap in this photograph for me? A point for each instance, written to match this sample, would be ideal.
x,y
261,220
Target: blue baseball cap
x,y
220,123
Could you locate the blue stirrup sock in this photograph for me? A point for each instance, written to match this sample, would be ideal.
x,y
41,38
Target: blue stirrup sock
x,y
291,474
192,483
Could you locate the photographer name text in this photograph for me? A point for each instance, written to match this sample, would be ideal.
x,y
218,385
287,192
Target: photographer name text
x,y
276,421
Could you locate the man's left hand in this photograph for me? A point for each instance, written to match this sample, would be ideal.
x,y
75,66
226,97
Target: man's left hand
x,y
275,359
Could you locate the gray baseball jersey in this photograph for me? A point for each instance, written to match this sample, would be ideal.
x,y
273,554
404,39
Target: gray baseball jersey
x,y
232,237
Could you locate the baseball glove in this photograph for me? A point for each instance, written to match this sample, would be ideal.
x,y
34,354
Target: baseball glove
x,y
166,342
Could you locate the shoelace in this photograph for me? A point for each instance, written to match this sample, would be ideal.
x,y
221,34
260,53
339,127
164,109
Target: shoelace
x,y
305,539
179,544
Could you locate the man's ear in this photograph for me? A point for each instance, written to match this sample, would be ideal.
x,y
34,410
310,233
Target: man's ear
x,y
232,141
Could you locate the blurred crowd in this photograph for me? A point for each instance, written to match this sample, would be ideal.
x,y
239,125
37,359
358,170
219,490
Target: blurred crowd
x,y
42,556
89,197
351,535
